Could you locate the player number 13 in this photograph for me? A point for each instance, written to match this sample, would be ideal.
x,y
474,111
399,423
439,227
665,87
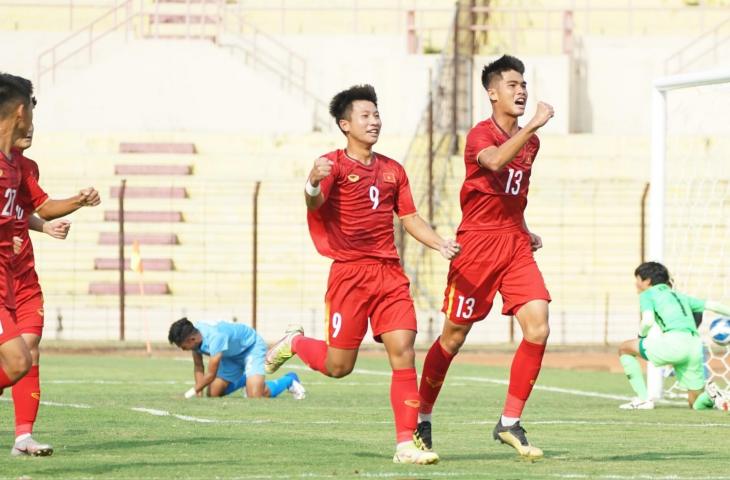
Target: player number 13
x,y
465,309
513,182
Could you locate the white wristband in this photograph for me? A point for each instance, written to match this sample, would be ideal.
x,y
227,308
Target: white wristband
x,y
190,393
311,190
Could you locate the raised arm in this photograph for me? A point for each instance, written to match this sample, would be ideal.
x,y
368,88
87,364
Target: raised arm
x,y
313,195
422,231
52,209
717,307
495,158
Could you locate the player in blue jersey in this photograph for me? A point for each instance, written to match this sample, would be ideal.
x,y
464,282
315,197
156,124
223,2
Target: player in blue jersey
x,y
236,360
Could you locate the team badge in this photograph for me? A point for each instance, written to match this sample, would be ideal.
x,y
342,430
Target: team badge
x,y
528,160
353,178
1,172
389,177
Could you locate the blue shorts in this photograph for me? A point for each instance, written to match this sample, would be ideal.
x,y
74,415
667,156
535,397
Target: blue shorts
x,y
249,363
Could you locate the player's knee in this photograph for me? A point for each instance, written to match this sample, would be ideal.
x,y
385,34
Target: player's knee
x,y
341,370
537,333
453,342
18,366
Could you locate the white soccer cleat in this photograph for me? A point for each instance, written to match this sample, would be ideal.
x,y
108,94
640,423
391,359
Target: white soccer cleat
x,y
296,388
722,402
637,404
280,352
30,447
412,455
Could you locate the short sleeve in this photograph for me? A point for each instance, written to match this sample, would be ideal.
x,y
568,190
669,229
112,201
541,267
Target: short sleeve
x,y
645,301
217,343
479,138
404,204
32,189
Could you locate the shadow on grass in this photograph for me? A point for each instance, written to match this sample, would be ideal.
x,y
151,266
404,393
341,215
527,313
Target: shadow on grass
x,y
652,456
58,471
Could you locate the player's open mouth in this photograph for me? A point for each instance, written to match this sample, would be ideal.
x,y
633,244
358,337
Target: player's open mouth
x,y
374,132
521,102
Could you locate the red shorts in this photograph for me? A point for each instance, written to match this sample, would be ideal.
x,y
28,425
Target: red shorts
x,y
358,291
29,314
488,263
8,328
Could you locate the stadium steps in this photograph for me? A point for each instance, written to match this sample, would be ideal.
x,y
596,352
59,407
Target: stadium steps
x,y
157,147
112,288
150,264
112,238
149,192
146,169
144,217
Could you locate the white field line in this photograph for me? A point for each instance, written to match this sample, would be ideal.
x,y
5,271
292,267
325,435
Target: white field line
x,y
54,404
638,477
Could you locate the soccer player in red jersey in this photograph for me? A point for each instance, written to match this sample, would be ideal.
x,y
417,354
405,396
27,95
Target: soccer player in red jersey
x,y
28,294
497,252
16,118
351,196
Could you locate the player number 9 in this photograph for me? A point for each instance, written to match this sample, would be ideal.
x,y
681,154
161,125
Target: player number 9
x,y
374,196
336,324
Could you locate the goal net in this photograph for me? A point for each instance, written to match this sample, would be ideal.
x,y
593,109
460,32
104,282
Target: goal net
x,y
694,238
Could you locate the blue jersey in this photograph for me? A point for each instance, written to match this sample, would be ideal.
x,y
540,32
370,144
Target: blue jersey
x,y
233,340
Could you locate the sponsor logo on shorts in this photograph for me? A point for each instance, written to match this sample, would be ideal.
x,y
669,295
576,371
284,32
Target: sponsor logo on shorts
x,y
412,403
36,395
532,382
353,178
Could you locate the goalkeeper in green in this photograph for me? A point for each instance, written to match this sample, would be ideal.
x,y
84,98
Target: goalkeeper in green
x,y
678,345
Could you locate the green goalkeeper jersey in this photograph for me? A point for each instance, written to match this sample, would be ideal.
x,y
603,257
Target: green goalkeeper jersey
x,y
672,310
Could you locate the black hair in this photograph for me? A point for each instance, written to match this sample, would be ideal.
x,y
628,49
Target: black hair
x,y
14,90
341,104
503,64
655,272
180,330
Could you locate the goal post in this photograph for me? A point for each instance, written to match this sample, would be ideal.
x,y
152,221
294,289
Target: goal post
x,y
681,257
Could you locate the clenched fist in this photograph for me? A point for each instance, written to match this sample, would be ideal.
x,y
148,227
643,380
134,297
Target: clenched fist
x,y
89,197
544,113
322,168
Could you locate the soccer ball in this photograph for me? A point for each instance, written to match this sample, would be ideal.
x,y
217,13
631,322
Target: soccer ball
x,y
720,331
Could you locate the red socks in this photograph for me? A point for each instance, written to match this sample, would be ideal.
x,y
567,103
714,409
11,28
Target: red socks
x,y
404,400
434,371
26,397
312,352
523,375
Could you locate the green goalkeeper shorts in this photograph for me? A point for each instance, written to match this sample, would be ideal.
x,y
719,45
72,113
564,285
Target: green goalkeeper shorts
x,y
680,349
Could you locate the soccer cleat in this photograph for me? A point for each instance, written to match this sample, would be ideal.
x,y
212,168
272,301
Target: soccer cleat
x,y
514,436
296,388
422,436
637,404
30,447
280,352
412,455
721,400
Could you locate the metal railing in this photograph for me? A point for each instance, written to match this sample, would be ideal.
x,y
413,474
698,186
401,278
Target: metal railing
x,y
706,44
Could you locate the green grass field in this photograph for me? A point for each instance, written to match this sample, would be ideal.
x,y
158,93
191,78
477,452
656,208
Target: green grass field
x,y
344,428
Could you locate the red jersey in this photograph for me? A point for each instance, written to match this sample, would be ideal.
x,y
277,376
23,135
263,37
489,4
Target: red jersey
x,y
30,197
356,220
495,201
9,183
